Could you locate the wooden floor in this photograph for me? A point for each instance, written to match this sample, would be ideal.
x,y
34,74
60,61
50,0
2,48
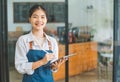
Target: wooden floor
x,y
91,76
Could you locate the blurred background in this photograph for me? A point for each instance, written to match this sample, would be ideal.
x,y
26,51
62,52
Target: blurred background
x,y
90,36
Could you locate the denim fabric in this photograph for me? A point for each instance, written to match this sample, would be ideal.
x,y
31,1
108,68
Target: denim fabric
x,y
41,74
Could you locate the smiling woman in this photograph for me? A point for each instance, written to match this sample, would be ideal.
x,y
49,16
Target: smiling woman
x,y
36,50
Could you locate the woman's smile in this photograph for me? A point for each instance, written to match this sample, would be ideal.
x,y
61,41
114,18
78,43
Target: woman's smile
x,y
39,24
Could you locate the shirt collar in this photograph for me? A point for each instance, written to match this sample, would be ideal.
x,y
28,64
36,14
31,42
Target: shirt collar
x,y
31,37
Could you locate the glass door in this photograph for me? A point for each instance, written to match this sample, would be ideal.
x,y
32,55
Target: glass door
x,y
18,25
90,36
91,40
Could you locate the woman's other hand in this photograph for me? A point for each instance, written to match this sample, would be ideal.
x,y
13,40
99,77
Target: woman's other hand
x,y
57,64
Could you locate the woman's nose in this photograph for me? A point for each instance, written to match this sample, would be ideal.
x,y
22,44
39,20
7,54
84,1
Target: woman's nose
x,y
39,19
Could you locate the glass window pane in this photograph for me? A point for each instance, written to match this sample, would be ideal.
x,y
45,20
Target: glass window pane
x,y
91,39
18,25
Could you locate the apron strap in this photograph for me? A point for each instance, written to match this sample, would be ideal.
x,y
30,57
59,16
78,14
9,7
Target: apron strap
x,y
49,45
30,45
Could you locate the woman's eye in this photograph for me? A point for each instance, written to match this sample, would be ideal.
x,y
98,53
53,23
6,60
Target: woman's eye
x,y
42,17
34,17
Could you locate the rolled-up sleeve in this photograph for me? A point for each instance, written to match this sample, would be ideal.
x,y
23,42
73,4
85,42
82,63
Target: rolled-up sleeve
x,y
21,62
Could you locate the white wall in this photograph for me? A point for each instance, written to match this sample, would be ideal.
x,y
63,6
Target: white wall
x,y
99,18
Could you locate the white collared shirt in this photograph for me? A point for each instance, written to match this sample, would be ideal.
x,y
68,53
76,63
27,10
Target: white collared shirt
x,y
22,47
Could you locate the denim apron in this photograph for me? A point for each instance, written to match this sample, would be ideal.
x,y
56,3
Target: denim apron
x,y
43,73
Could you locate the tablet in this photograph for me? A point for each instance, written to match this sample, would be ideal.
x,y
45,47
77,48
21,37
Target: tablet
x,y
67,56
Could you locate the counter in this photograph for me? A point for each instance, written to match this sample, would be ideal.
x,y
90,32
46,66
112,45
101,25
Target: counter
x,y
84,60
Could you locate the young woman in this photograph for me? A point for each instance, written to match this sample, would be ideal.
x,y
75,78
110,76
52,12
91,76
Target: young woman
x,y
36,50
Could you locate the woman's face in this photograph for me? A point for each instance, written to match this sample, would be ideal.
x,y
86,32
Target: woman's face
x,y
38,19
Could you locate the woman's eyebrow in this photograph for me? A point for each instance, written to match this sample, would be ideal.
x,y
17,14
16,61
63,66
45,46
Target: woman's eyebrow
x,y
35,15
42,15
